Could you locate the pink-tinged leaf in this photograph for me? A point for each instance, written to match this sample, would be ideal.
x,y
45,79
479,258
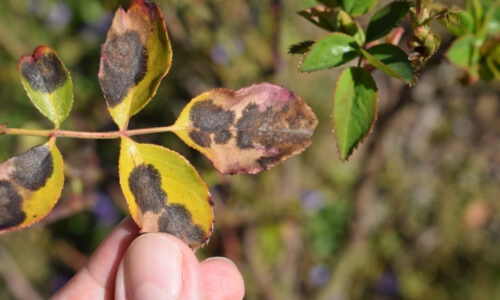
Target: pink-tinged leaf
x,y
249,130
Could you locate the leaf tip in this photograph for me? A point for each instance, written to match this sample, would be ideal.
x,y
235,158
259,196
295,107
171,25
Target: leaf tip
x,y
147,8
38,53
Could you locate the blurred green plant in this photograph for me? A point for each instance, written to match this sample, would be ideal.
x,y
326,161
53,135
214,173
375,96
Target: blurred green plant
x,y
477,48
355,101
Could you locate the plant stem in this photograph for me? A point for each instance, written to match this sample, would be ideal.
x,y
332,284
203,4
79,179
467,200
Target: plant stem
x,y
85,134
418,6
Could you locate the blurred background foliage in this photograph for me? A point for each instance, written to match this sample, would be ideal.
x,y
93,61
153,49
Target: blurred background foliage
x,y
414,214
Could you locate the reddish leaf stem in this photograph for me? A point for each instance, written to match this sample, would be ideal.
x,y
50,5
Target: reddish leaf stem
x,y
83,134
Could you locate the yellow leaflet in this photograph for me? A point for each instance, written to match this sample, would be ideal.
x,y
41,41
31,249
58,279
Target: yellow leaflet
x,y
165,193
134,58
30,186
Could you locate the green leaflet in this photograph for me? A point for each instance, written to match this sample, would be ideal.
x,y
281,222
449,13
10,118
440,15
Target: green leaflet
x,y
355,104
334,20
386,19
358,7
461,52
330,51
392,60
353,7
47,83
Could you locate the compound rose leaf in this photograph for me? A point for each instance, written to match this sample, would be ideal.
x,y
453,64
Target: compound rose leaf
x,y
134,58
165,193
249,130
30,185
47,83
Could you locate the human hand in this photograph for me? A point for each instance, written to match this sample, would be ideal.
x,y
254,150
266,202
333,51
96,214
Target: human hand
x,y
127,265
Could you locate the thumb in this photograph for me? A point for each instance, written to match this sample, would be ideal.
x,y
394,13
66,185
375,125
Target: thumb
x,y
150,269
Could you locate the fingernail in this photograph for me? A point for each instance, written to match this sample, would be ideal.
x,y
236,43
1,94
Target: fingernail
x,y
153,268
221,258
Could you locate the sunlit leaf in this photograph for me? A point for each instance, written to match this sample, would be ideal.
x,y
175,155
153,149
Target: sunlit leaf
x,y
248,130
134,59
354,109
335,20
330,51
165,193
464,25
467,21
461,52
30,185
48,83
358,7
392,60
386,19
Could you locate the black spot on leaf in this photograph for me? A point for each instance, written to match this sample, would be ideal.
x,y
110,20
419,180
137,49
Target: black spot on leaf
x,y
11,213
45,74
248,126
264,162
223,137
177,220
212,119
201,138
33,168
278,128
124,64
145,185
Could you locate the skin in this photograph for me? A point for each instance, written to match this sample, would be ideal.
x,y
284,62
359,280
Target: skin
x,y
129,265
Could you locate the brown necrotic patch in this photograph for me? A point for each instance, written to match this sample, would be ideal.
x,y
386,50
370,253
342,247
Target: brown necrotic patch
x,y
201,138
284,129
266,161
33,168
11,213
45,74
210,119
124,64
145,184
177,220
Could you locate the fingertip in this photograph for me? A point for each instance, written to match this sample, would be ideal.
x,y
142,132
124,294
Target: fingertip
x,y
222,279
152,268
